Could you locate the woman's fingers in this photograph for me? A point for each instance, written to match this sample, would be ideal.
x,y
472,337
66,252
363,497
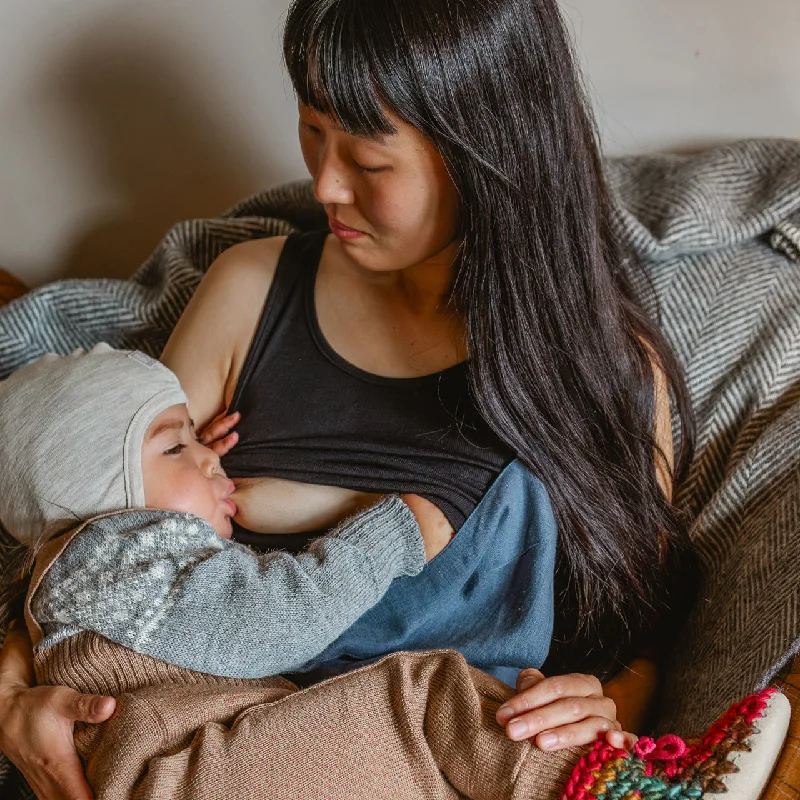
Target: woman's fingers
x,y
90,708
578,733
545,691
563,713
527,678
59,772
219,428
622,739
37,736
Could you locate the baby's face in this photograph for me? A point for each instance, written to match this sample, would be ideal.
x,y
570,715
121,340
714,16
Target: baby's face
x,y
180,474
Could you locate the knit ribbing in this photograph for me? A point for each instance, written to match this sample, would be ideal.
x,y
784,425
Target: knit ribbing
x,y
413,726
388,534
92,664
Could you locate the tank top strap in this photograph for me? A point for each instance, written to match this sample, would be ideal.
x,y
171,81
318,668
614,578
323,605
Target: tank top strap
x,y
297,262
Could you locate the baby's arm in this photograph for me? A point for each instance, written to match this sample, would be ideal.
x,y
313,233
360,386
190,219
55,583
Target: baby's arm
x,y
167,587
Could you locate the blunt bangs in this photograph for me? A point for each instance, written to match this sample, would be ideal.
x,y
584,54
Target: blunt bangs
x,y
332,66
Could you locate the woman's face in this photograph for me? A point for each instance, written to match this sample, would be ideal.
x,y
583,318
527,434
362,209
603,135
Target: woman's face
x,y
394,191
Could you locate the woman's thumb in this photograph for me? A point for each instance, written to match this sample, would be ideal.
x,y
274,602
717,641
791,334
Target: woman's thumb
x,y
527,678
90,707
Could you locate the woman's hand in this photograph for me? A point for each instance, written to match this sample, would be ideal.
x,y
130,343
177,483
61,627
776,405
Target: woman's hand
x,y
434,525
37,736
217,434
562,711
36,724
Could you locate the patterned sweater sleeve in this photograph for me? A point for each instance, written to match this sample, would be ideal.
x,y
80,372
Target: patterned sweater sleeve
x,y
165,585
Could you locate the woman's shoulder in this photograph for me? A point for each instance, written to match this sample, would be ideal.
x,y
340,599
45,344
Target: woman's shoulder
x,y
210,341
247,265
237,282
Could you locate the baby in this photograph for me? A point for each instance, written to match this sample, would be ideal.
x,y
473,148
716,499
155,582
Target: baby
x,y
137,592
107,431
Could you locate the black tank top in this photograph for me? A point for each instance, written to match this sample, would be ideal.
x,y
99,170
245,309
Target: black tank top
x,y
310,416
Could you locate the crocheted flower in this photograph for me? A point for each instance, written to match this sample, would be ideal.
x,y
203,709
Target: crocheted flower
x,y
668,768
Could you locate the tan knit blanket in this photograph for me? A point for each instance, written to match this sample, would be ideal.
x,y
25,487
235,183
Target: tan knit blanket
x,y
413,726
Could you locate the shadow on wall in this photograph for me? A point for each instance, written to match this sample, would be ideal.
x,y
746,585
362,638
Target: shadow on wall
x,y
161,146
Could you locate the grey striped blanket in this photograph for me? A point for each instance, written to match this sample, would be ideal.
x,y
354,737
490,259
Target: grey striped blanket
x,y
719,234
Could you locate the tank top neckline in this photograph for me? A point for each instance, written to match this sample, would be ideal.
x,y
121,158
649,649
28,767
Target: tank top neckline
x,y
342,363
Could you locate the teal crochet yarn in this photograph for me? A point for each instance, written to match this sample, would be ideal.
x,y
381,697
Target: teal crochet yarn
x,y
668,768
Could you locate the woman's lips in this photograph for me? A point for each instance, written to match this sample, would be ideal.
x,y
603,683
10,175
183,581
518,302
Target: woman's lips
x,y
342,231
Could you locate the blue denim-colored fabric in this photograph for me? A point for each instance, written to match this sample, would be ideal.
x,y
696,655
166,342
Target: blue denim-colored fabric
x,y
488,594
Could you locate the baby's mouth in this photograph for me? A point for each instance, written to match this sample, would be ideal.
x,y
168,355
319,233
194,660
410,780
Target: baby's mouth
x,y
231,506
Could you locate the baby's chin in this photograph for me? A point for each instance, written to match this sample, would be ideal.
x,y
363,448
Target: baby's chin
x,y
225,529
222,526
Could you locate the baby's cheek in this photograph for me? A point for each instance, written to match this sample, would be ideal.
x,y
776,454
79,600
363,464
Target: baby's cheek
x,y
191,497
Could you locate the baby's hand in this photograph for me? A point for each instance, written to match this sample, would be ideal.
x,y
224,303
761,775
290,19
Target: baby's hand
x,y
436,530
217,434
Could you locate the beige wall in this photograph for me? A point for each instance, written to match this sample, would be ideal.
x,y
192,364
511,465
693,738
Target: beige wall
x,y
118,117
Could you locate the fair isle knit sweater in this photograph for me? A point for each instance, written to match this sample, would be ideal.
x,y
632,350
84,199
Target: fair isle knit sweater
x,y
165,585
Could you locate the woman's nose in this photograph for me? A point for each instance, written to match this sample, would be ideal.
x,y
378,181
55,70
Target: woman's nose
x,y
331,185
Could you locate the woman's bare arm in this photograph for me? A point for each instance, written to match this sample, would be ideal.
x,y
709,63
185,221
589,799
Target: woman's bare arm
x,y
210,342
632,691
16,657
662,429
634,688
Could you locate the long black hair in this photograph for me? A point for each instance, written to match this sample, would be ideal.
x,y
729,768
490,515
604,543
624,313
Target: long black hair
x,y
555,333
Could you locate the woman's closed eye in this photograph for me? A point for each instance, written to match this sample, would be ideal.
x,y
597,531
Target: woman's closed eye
x,y
362,168
310,128
315,131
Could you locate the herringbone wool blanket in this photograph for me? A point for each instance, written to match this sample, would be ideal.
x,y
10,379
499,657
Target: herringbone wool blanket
x,y
719,237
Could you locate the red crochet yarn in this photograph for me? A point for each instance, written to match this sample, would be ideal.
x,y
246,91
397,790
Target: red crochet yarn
x,y
668,767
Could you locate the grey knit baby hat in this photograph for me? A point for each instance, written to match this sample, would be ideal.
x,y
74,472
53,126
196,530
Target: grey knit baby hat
x,y
71,435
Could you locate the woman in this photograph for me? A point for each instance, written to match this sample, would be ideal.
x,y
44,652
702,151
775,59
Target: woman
x,y
472,266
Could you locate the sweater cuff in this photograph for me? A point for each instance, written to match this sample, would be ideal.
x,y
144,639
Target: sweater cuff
x,y
389,535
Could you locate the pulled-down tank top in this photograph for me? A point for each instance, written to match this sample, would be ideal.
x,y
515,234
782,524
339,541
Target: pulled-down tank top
x,y
310,416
